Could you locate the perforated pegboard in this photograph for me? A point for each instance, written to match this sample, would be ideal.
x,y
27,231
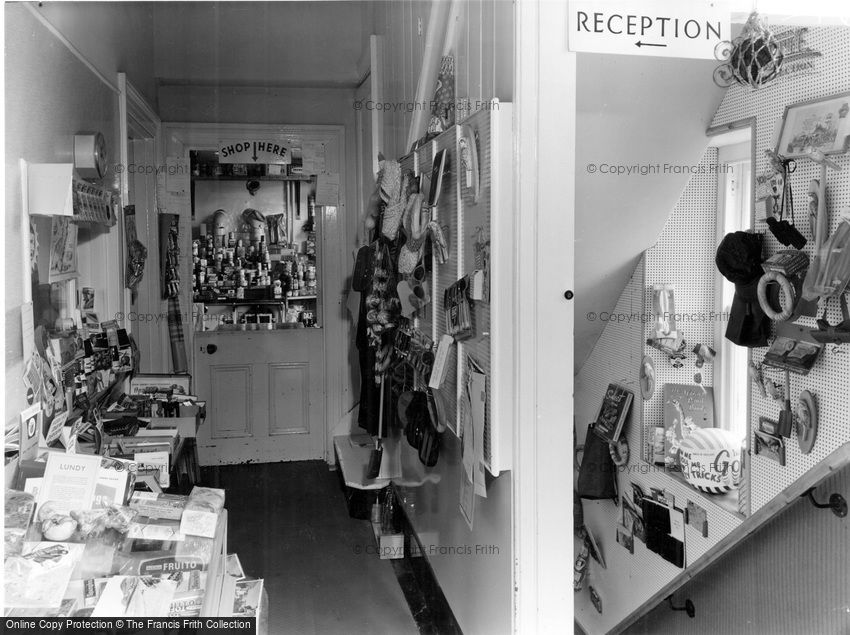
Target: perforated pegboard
x,y
477,215
683,257
829,380
630,579
446,274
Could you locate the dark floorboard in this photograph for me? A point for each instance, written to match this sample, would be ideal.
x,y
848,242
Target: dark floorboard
x,y
288,523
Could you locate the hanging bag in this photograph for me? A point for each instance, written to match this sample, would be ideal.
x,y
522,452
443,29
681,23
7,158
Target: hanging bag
x,y
597,476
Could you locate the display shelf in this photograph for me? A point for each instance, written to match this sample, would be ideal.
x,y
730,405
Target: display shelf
x,y
353,462
792,494
255,178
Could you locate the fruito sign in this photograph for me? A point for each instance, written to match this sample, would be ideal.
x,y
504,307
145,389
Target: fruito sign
x,y
253,151
665,28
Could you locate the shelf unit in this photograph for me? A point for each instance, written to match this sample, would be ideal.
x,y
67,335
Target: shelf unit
x,y
294,203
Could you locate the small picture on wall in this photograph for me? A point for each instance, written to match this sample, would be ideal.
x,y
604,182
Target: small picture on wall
x,y
625,539
823,125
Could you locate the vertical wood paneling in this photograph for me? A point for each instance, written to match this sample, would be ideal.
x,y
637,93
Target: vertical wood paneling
x,y
488,52
503,46
462,55
483,58
473,29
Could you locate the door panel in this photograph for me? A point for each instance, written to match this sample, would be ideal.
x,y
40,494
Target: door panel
x,y
289,405
265,394
231,387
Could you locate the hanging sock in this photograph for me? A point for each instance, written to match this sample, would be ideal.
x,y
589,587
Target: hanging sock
x,y
438,239
415,223
175,335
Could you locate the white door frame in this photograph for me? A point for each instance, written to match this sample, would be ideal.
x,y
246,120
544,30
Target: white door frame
x,y
335,260
544,176
136,118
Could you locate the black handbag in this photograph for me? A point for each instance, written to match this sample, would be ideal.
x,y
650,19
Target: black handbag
x,y
362,276
597,476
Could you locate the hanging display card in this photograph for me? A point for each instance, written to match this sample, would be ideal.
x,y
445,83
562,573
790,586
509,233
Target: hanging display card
x,y
686,408
30,426
327,189
70,481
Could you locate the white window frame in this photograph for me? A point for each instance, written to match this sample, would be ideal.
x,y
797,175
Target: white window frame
x,y
735,179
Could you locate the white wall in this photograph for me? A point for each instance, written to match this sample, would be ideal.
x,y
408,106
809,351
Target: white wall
x,y
50,96
483,57
112,36
267,43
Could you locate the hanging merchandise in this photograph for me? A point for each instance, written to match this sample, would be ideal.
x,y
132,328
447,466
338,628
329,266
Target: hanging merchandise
x,y
169,240
827,333
468,153
739,259
785,232
807,421
443,109
830,272
597,475
663,305
752,59
829,266
137,253
786,269
647,377
769,446
414,223
481,259
458,311
673,348
393,190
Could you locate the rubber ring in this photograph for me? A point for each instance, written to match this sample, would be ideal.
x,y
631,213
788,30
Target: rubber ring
x,y
787,296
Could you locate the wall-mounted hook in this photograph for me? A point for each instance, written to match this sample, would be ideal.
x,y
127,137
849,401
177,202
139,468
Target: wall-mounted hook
x,y
689,607
836,503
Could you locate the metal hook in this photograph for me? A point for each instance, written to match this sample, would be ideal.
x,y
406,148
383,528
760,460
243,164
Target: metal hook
x,y
836,503
689,607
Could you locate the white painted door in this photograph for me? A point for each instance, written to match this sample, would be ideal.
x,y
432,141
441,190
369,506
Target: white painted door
x,y
265,395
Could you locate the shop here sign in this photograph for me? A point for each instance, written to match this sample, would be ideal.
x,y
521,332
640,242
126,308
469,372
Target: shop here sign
x,y
663,28
254,151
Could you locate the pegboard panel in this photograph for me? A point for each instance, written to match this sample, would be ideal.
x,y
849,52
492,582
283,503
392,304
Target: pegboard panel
x,y
630,579
829,380
683,256
446,274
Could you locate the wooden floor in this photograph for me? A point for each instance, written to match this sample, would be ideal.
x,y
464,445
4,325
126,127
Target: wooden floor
x,y
288,523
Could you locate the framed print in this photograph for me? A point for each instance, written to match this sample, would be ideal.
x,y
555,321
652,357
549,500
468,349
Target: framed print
x,y
822,124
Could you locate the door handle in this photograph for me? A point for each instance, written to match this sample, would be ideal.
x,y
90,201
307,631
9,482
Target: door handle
x,y
211,348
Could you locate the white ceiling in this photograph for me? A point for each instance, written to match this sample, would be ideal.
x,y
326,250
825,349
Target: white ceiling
x,y
260,43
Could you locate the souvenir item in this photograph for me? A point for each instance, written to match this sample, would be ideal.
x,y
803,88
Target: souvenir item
x,y
752,59
687,408
785,232
613,413
739,259
597,475
807,421
710,460
468,153
770,446
443,109
647,377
